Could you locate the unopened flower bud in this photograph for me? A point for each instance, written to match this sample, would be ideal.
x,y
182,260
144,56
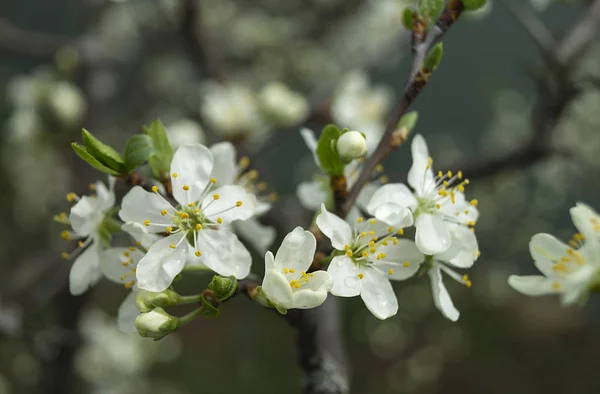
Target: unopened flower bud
x,y
351,145
146,301
223,287
156,324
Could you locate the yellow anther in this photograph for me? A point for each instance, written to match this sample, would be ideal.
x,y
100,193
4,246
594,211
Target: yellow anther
x,y
174,175
573,243
125,263
346,247
467,281
303,273
185,216
126,254
379,168
446,183
197,211
80,244
472,229
131,260
466,182
198,253
219,220
372,221
372,250
452,197
172,246
390,271
474,203
406,264
555,286
429,160
253,174
238,204
164,212
132,248
438,206
66,235
381,256
168,230
273,196
383,179
198,227
478,253
292,270
579,237
449,174
371,244
294,284
216,196
471,223
92,186
261,186
365,253
461,188
186,187
440,174
459,175
466,211
395,241
385,243
349,253
62,216
360,276
560,267
286,271
65,255
71,197
363,234
400,231
390,229
147,223
155,189
129,285
371,233
442,192
244,162
360,219
191,205
213,180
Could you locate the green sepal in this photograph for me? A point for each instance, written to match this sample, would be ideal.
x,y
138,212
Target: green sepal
x,y
407,17
209,309
279,308
431,8
138,150
409,120
473,5
86,156
326,152
434,57
224,287
102,152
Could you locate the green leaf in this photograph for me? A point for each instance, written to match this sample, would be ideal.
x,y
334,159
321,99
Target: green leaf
x,y
160,161
431,8
409,120
138,150
102,152
407,17
328,157
91,160
473,5
434,57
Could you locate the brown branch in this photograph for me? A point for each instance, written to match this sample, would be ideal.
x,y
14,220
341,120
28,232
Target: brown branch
x,y
577,41
29,43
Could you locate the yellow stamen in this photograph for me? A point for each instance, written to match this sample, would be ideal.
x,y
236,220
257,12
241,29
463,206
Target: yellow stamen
x,y
459,175
147,223
219,220
213,180
292,270
372,221
238,204
168,230
155,189
172,246
349,253
65,255
198,227
244,162
66,235
286,271
360,276
71,197
360,219
405,264
186,187
164,212
198,253
174,175
467,281
390,271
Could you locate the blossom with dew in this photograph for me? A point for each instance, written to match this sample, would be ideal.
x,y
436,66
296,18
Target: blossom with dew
x,y
437,206
228,171
287,282
318,191
87,220
571,270
119,265
368,256
193,225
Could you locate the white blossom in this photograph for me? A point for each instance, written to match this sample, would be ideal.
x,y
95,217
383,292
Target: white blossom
x,y
281,105
185,131
351,145
286,281
369,257
193,227
436,205
569,270
86,219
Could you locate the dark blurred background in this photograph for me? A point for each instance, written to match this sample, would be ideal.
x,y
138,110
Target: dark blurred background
x,y
111,66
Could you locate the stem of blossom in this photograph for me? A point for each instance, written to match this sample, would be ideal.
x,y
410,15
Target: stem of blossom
x,y
339,186
190,316
417,81
192,299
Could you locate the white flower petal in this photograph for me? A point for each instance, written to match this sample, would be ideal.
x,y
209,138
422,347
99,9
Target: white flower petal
x,y
336,229
311,142
296,252
420,178
365,195
127,314
344,273
259,236
85,271
223,253
586,219
139,205
393,193
314,292
378,294
312,194
463,250
106,197
441,298
224,164
140,233
546,250
401,261
111,263
394,215
193,165
278,289
86,216
533,285
432,235
161,264
225,206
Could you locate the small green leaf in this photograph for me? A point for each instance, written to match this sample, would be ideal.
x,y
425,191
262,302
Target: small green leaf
x,y
102,152
409,120
91,160
407,17
138,150
434,57
473,5
209,309
431,8
160,161
223,287
328,157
